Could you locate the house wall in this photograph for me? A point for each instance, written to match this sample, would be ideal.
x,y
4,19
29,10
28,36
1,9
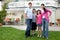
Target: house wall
x,y
58,13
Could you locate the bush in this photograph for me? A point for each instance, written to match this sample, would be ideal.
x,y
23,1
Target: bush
x,y
3,13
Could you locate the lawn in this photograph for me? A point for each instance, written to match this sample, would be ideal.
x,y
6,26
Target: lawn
x,y
8,33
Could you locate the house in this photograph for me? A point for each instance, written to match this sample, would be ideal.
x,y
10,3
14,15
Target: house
x,y
17,7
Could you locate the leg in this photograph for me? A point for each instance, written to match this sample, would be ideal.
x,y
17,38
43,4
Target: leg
x,y
33,31
28,28
39,31
46,28
43,24
30,23
33,27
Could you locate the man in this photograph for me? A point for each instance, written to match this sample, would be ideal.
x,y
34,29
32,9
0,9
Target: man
x,y
28,16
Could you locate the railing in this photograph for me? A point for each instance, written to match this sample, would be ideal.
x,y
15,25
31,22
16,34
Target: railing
x,y
34,3
35,0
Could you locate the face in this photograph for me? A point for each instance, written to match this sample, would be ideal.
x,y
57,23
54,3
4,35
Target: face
x,y
38,12
30,5
42,6
34,11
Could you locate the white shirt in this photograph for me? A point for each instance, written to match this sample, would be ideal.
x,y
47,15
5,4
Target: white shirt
x,y
29,12
42,11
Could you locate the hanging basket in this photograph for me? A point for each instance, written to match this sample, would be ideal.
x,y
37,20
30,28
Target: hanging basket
x,y
51,23
58,22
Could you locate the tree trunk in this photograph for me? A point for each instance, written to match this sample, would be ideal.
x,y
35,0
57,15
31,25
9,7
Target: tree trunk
x,y
0,24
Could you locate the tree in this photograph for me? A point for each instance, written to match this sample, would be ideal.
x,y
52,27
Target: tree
x,y
3,13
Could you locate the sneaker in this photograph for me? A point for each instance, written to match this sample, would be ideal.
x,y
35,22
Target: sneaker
x,y
40,36
47,38
26,36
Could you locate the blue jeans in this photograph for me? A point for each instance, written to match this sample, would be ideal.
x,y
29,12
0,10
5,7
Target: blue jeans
x,y
29,24
45,24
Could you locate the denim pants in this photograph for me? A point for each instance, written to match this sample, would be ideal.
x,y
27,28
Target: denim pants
x,y
45,24
29,24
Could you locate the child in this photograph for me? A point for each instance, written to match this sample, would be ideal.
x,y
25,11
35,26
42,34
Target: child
x,y
33,22
39,22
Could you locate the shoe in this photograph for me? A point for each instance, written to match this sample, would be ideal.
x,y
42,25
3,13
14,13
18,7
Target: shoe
x,y
27,36
38,35
47,38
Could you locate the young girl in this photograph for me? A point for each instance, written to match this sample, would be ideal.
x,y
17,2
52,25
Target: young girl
x,y
33,22
39,22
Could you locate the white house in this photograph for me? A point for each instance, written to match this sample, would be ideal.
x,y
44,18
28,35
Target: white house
x,y
18,6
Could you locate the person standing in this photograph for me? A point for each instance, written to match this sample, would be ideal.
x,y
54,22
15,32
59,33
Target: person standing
x,y
28,16
39,23
45,20
34,22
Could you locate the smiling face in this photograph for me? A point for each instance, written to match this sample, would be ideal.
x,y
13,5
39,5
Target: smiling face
x,y
42,6
34,11
38,12
30,5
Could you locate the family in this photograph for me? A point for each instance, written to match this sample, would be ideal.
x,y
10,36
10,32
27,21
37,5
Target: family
x,y
37,18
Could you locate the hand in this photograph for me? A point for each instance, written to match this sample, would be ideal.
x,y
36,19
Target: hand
x,y
48,14
26,16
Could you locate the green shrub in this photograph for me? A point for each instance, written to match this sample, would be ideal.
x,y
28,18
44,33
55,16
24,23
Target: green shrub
x,y
3,13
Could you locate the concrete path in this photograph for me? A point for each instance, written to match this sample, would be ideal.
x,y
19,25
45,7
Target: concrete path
x,y
23,27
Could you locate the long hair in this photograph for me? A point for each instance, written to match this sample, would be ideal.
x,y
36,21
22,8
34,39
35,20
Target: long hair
x,y
44,8
39,11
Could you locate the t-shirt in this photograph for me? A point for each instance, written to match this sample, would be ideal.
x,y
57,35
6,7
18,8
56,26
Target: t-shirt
x,y
42,11
29,13
33,17
39,19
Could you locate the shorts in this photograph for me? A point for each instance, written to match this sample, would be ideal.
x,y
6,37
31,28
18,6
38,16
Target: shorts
x,y
34,26
39,25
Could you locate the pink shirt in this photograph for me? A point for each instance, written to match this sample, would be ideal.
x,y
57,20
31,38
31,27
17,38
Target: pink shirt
x,y
46,14
39,19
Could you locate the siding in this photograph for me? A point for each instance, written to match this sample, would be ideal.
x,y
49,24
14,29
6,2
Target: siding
x,y
58,13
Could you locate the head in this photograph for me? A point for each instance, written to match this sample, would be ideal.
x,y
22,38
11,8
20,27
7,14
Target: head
x,y
33,10
42,5
30,4
38,12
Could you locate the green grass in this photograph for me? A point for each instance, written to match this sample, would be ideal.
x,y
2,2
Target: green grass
x,y
8,33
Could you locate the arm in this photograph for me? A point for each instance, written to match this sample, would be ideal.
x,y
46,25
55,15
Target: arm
x,y
49,12
25,13
36,18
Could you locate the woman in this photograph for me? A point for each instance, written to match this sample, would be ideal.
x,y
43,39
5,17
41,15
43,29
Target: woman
x,y
45,20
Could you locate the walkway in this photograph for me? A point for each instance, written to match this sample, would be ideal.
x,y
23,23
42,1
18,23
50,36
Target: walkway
x,y
23,27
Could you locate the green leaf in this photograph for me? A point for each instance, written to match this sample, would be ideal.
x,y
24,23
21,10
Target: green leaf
x,y
3,13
